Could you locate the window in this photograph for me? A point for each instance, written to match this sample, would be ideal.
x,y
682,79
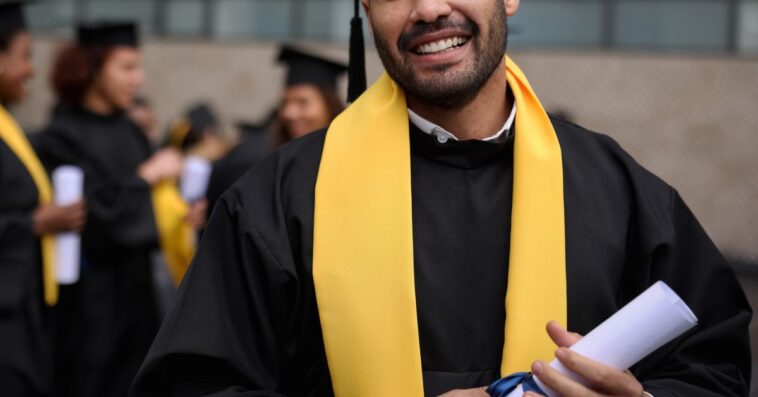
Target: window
x,y
657,25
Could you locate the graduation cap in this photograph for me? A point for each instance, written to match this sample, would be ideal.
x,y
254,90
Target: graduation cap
x,y
108,34
305,68
190,128
11,17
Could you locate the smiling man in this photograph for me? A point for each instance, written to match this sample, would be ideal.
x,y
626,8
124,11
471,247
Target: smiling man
x,y
421,243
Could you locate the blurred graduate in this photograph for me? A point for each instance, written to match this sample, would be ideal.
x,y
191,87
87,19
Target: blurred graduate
x,y
198,132
107,320
28,222
309,101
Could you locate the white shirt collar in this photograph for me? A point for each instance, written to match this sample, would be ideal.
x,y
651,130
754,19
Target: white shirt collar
x,y
443,135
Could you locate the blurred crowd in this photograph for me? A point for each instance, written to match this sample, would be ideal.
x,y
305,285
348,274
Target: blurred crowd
x,y
145,198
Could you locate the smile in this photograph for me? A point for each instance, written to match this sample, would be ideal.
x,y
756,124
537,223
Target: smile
x,y
440,45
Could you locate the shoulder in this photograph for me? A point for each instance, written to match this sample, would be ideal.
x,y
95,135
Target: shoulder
x,y
599,153
63,124
596,162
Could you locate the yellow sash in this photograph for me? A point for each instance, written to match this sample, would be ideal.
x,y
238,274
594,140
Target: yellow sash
x,y
363,244
11,133
176,236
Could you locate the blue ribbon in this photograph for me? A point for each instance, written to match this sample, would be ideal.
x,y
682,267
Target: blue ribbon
x,y
502,387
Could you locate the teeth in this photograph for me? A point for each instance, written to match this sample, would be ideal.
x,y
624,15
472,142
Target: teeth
x,y
440,45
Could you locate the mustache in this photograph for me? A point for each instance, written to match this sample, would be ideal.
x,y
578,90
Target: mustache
x,y
422,28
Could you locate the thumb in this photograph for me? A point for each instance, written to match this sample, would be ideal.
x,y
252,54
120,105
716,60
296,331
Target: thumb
x,y
561,336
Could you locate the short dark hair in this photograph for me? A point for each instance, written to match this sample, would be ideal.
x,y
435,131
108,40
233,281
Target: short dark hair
x,y
7,37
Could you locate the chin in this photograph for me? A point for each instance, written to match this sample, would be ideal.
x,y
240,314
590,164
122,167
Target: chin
x,y
125,104
16,96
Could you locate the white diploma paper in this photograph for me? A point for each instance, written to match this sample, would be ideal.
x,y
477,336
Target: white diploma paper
x,y
194,182
68,185
645,324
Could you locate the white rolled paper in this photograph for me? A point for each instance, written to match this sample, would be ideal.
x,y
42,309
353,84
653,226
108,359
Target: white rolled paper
x,y
651,320
194,182
68,185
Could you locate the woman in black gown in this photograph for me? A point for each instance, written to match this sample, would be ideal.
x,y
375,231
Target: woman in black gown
x,y
107,321
26,215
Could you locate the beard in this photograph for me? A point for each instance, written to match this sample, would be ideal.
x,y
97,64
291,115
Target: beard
x,y
448,89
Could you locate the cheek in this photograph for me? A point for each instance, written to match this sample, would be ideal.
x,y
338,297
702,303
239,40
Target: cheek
x,y
317,113
388,20
15,75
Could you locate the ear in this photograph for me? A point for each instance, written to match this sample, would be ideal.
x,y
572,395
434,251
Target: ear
x,y
367,10
511,6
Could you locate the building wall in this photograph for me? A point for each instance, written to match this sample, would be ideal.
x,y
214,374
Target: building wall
x,y
690,120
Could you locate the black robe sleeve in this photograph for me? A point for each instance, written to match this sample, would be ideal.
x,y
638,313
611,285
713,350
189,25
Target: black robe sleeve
x,y
220,339
246,323
19,256
714,358
25,345
120,209
14,228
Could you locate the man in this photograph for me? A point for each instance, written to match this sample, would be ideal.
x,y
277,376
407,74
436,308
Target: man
x,y
420,244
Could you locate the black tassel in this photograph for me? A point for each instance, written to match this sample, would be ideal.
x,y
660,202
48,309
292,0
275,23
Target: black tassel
x,y
356,74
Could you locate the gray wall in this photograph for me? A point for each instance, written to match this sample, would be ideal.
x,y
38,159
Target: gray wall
x,y
691,120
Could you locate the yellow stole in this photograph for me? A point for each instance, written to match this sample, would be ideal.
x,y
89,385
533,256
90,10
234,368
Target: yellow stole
x,y
11,133
363,243
176,236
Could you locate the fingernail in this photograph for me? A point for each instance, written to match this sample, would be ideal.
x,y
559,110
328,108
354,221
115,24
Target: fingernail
x,y
561,353
538,368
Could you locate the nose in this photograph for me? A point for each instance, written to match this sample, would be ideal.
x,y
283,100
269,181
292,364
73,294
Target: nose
x,y
430,10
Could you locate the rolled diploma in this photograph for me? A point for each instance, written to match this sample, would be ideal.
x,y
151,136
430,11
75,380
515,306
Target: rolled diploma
x,y
68,184
651,320
195,178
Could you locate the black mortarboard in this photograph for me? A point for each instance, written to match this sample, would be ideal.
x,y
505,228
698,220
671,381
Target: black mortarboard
x,y
356,77
108,34
307,68
189,129
201,116
11,17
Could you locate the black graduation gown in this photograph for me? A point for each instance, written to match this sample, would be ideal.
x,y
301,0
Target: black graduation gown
x,y
107,320
247,322
26,354
239,160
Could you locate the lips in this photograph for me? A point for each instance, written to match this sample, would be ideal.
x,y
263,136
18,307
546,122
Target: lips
x,y
441,45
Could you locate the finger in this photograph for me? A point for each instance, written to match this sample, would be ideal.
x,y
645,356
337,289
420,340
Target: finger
x,y
78,212
77,226
599,376
560,383
561,336
77,204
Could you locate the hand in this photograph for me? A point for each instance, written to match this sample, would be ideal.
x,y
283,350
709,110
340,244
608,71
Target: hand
x,y
478,392
164,164
50,219
602,380
197,214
